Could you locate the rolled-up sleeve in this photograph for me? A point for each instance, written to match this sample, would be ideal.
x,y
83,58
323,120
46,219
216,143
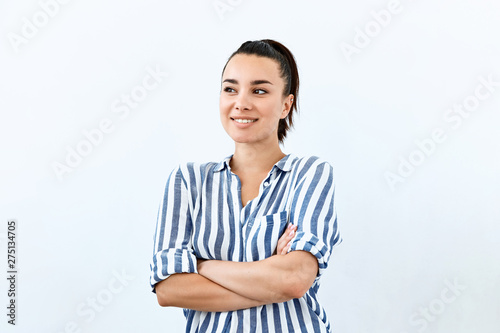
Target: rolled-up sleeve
x,y
173,251
313,211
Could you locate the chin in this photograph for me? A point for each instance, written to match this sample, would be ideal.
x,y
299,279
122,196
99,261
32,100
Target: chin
x,y
242,140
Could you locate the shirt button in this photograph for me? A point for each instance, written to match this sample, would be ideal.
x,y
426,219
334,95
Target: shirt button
x,y
266,183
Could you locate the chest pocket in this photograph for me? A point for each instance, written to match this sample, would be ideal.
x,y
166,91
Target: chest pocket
x,y
262,236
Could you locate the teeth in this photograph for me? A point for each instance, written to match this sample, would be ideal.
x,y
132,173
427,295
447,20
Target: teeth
x,y
244,121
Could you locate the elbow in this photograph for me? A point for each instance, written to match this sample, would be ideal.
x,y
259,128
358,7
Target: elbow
x,y
162,296
299,282
162,301
297,288
301,275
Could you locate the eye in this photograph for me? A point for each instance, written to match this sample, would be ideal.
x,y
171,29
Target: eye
x,y
263,91
228,89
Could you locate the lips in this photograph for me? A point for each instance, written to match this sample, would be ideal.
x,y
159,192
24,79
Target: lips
x,y
245,121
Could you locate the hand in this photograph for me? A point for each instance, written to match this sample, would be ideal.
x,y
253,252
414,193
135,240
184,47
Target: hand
x,y
284,242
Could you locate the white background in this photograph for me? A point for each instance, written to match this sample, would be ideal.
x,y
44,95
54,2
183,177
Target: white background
x,y
403,244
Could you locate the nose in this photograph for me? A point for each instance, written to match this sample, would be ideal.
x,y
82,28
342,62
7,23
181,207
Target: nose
x,y
242,102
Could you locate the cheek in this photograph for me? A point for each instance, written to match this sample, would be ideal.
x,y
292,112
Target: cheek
x,y
223,112
224,106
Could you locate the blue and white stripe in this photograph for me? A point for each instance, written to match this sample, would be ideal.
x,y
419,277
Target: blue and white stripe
x,y
201,215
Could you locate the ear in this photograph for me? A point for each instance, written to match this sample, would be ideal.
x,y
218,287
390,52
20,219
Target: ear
x,y
287,106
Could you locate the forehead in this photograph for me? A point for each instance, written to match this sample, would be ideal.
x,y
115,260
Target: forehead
x,y
244,66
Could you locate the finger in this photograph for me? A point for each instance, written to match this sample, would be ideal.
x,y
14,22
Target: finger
x,y
286,248
281,246
286,235
290,233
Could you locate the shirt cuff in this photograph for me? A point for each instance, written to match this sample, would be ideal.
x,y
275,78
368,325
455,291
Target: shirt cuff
x,y
171,261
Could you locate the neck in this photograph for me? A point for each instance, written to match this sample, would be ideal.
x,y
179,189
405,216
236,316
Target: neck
x,y
255,158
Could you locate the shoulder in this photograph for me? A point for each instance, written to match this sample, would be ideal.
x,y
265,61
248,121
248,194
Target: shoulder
x,y
310,164
189,167
194,172
311,171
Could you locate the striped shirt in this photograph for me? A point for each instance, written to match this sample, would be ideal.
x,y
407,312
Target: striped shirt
x,y
201,216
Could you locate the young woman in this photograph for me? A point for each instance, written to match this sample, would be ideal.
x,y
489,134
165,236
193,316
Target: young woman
x,y
241,244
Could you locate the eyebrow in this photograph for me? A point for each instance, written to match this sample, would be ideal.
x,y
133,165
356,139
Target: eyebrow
x,y
253,83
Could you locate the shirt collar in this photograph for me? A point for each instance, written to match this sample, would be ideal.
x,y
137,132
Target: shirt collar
x,y
221,165
285,164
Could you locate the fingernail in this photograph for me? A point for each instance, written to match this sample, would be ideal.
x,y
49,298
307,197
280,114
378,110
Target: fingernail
x,y
291,233
290,226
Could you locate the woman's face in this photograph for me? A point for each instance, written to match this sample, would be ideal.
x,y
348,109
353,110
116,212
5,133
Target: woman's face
x,y
251,101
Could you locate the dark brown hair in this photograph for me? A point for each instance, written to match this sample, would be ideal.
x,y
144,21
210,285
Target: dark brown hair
x,y
288,71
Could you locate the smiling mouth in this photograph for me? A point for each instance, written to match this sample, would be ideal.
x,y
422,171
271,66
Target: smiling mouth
x,y
244,121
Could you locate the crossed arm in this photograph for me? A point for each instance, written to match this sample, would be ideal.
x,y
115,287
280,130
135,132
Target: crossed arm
x,y
227,285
